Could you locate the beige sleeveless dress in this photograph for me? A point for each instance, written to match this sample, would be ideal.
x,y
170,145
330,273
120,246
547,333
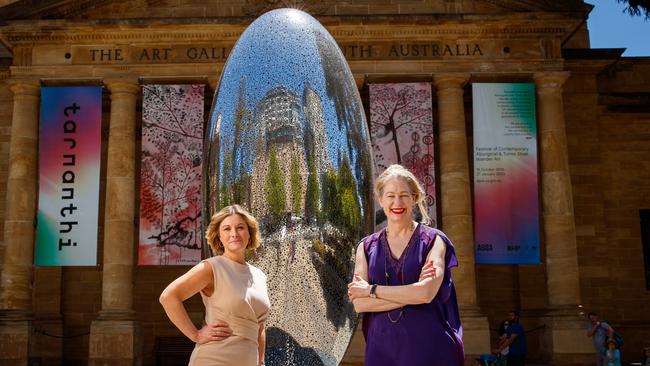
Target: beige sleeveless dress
x,y
240,298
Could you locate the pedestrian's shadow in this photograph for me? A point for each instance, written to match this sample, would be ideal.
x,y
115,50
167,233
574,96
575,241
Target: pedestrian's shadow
x,y
283,350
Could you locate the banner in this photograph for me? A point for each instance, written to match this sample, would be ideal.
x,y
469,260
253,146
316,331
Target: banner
x,y
69,162
170,178
401,129
506,207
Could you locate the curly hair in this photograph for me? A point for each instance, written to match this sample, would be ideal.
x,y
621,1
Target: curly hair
x,y
212,233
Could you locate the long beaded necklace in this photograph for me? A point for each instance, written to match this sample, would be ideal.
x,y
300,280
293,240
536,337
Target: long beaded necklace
x,y
399,270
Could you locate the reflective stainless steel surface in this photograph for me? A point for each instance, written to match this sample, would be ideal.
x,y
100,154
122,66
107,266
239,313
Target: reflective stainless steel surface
x,y
288,140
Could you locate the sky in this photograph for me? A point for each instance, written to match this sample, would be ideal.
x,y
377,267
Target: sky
x,y
609,27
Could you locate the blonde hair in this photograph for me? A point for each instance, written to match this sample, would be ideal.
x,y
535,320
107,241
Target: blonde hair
x,y
396,171
212,233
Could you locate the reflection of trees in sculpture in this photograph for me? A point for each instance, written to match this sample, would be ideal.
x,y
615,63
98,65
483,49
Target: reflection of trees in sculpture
x,y
235,180
275,194
349,212
241,149
169,187
296,186
312,197
392,109
343,94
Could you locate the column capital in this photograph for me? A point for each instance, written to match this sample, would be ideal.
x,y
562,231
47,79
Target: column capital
x,y
550,80
122,85
450,80
24,86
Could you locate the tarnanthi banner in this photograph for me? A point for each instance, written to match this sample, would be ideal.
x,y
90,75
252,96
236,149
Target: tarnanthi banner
x,y
69,162
401,128
170,178
506,207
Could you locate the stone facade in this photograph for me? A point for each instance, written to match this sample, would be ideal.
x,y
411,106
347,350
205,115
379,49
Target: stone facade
x,y
594,136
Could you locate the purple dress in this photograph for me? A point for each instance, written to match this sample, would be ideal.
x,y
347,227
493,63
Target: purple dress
x,y
423,335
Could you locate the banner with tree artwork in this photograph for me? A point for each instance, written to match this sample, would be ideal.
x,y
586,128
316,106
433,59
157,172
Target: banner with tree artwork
x,y
401,129
170,178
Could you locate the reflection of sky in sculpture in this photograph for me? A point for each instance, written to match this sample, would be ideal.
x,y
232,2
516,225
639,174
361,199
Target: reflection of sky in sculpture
x,y
276,46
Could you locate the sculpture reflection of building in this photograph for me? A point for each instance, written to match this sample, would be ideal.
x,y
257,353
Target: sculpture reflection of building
x,y
233,292
278,171
402,283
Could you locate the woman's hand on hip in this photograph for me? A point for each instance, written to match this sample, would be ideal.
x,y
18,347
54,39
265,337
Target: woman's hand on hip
x,y
217,331
358,288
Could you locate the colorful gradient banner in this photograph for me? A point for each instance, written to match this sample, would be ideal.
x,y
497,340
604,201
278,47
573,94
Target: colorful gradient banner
x,y
170,178
506,207
401,128
69,163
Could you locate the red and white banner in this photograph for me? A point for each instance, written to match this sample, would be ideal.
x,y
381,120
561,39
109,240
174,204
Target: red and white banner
x,y
170,178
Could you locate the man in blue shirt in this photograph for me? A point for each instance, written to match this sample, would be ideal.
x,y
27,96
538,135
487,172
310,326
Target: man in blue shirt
x,y
601,331
516,340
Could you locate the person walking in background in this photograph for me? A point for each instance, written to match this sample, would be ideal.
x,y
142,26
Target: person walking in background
x,y
234,294
515,341
402,283
600,331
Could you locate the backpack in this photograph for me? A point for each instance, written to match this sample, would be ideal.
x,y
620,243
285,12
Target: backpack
x,y
617,337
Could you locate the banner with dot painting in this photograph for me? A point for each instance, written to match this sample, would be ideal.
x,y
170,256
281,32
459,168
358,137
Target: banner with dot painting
x,y
401,130
170,175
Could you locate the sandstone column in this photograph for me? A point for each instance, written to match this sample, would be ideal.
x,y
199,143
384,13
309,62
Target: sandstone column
x,y
115,335
457,206
16,296
566,335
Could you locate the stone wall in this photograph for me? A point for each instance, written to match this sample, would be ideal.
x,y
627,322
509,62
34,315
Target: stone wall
x,y
609,145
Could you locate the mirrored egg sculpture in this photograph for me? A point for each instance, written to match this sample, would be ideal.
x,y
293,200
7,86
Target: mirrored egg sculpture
x,y
288,141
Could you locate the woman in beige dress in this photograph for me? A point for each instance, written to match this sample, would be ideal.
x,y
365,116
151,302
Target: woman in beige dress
x,y
234,294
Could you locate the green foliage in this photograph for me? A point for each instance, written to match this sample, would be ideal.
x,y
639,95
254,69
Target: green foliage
x,y
312,208
240,190
340,193
224,197
349,209
296,186
331,193
275,194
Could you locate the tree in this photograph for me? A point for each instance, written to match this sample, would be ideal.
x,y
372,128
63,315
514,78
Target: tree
x,y
275,194
393,107
637,7
312,197
296,186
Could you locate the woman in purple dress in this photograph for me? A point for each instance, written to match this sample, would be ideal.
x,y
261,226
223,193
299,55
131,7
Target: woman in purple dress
x,y
402,283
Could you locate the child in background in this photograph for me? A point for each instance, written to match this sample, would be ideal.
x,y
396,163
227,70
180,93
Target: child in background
x,y
613,354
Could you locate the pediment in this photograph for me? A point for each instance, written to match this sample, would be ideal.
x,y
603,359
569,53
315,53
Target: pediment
x,y
144,9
